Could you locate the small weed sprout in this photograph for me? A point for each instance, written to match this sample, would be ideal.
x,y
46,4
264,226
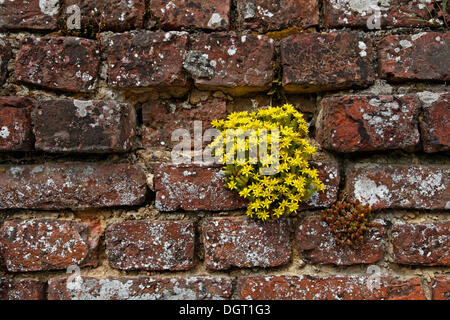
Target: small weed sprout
x,y
348,222
434,21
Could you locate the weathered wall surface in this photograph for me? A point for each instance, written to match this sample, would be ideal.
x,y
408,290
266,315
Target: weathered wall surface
x,y
86,118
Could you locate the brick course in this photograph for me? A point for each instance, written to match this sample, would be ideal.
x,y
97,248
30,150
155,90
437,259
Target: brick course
x,y
399,186
144,288
84,126
319,62
421,56
328,288
240,242
53,186
369,123
150,245
59,63
43,244
15,124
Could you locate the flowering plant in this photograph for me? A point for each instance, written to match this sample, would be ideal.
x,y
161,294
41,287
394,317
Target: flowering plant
x,y
274,184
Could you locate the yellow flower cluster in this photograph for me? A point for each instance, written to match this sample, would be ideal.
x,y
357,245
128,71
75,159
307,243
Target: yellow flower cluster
x,y
293,181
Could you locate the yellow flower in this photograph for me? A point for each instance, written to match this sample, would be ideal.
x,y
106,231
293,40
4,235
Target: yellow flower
x,y
299,183
284,167
284,204
232,185
255,205
256,189
266,203
282,189
263,215
293,206
246,170
278,212
244,193
294,198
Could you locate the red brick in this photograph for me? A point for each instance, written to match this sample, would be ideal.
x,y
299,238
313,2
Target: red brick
x,y
187,14
162,118
192,188
266,15
71,185
368,123
440,288
146,59
15,124
5,56
396,13
421,244
402,186
143,288
151,245
329,288
44,244
422,56
235,63
328,169
434,121
29,14
108,15
84,126
319,62
21,289
317,245
244,243
69,64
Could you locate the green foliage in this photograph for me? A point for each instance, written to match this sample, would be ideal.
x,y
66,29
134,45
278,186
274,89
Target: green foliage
x,y
348,222
433,17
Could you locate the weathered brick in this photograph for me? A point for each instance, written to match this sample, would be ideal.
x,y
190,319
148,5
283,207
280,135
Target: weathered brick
x,y
15,124
328,172
422,56
71,185
435,121
329,288
364,14
161,118
21,289
235,63
146,59
316,242
60,63
84,126
266,15
399,185
241,242
368,123
193,187
421,243
5,56
107,15
144,288
150,245
318,62
44,244
187,14
29,14
440,288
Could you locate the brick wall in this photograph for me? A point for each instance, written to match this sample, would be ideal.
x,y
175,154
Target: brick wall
x,y
86,118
